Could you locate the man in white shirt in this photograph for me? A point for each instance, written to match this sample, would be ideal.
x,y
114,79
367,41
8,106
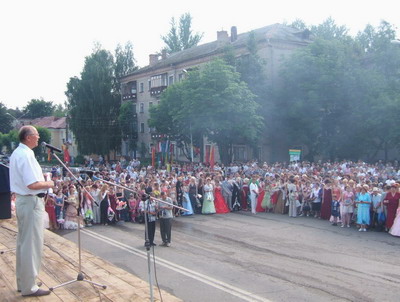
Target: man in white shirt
x,y
27,182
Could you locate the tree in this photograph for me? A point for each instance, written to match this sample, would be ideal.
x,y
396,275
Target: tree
x,y
180,36
124,62
383,68
252,71
211,102
5,119
45,136
329,30
9,140
316,98
340,96
38,108
60,110
94,105
128,124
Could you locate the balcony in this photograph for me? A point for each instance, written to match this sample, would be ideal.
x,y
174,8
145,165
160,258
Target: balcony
x,y
129,91
156,91
129,97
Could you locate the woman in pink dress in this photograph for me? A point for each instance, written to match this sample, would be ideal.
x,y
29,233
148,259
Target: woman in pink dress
x,y
219,201
392,201
395,229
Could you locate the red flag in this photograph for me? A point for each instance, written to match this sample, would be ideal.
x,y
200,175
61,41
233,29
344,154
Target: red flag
x,y
48,155
212,157
67,158
207,157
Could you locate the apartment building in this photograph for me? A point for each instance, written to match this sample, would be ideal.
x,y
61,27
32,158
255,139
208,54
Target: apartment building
x,y
144,86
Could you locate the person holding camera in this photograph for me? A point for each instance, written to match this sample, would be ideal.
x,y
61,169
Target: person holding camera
x,y
166,216
149,208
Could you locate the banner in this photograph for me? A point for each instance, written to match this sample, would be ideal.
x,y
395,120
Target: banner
x,y
67,158
212,157
294,154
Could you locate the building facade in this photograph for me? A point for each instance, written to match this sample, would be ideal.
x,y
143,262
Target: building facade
x,y
144,86
60,133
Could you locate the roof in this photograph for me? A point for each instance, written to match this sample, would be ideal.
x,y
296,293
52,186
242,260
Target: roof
x,y
274,32
50,122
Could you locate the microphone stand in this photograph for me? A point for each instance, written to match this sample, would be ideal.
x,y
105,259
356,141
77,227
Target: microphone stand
x,y
80,276
146,230
148,246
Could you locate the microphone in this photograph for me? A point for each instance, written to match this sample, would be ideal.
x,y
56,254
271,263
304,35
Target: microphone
x,y
52,148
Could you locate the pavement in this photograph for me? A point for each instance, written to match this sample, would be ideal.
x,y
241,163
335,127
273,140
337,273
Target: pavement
x,y
264,257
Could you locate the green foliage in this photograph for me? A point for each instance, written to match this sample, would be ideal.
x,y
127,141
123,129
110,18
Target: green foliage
x,y
124,62
5,119
80,159
45,136
128,124
252,71
9,140
211,102
181,36
38,108
329,30
340,96
60,111
94,105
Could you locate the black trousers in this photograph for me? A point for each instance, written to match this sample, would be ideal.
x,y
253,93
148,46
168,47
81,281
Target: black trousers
x,y
103,211
165,229
151,228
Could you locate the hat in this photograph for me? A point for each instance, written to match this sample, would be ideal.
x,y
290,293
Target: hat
x,y
375,189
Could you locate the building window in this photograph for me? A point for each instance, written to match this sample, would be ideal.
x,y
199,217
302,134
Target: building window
x,y
141,87
141,110
171,80
159,80
149,85
141,127
150,104
180,77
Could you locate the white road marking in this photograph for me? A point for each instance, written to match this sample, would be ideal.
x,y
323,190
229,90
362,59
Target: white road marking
x,y
232,290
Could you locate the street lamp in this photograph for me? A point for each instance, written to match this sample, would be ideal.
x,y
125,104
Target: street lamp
x,y
191,136
17,119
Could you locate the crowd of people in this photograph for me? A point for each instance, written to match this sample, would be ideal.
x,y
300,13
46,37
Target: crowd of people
x,y
344,193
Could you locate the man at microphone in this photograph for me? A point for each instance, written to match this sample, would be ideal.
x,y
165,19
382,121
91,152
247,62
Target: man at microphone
x,y
28,183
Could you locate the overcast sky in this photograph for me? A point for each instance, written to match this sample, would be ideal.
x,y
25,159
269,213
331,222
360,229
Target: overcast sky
x,y
45,42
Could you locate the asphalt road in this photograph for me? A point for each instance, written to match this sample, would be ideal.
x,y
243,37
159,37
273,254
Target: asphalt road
x,y
262,257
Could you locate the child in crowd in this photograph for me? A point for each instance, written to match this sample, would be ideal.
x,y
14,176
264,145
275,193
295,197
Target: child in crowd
x,y
133,206
335,212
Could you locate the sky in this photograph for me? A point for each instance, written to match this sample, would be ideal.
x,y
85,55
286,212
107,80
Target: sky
x,y
43,43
